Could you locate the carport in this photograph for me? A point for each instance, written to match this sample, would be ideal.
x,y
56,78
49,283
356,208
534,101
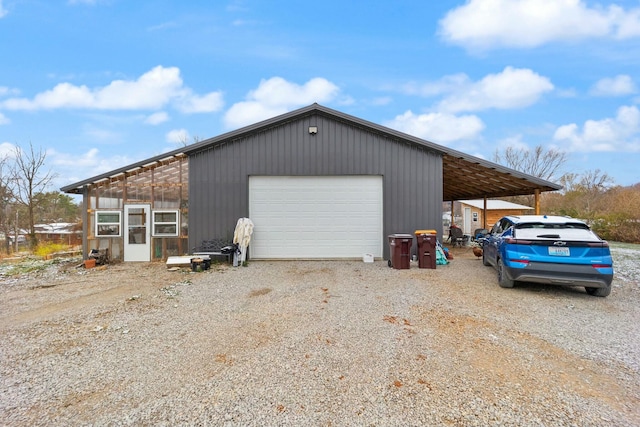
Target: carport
x,y
466,177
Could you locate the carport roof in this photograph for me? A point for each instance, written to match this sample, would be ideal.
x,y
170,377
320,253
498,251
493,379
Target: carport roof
x,y
464,176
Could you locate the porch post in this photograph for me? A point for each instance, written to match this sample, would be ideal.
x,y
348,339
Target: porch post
x,y
537,202
85,222
484,213
452,217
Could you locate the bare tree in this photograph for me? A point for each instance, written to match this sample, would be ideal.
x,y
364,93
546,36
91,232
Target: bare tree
x,y
596,181
30,180
538,162
183,140
6,197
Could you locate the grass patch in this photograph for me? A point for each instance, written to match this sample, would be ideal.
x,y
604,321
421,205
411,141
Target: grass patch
x,y
29,265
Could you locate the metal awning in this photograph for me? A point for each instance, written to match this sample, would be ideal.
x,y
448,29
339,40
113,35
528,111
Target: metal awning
x,y
465,177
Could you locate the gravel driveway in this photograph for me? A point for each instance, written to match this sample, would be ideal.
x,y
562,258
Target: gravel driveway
x,y
314,343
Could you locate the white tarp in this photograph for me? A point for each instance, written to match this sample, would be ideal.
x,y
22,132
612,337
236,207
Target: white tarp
x,y
242,236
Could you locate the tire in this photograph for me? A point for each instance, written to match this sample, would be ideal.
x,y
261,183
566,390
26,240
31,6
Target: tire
x,y
484,258
389,264
599,292
503,280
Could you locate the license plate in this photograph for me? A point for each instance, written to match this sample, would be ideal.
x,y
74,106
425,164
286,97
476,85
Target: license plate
x,y
558,251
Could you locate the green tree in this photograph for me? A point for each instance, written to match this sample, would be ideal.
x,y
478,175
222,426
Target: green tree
x,y
54,206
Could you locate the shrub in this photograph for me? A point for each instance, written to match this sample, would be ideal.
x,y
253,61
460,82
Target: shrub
x,y
44,249
618,228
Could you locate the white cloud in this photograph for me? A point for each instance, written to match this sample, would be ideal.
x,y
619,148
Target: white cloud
x,y
619,85
621,133
157,118
438,127
178,136
515,142
5,91
486,24
3,11
208,103
83,160
447,84
4,120
153,90
277,96
80,165
509,89
627,22
7,149
85,164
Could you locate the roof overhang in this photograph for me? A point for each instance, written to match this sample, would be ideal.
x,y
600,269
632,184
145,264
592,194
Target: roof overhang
x,y
466,177
118,174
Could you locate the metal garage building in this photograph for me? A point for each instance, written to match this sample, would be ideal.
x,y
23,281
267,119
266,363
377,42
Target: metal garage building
x,y
317,183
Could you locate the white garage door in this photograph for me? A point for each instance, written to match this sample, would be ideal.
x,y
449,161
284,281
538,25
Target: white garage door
x,y
315,217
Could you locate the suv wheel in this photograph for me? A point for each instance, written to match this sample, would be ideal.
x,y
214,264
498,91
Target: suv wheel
x,y
599,292
503,280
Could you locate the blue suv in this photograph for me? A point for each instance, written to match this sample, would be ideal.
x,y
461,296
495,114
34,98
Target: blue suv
x,y
553,250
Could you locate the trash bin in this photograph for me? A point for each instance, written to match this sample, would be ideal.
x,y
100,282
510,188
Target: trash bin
x,y
426,248
400,251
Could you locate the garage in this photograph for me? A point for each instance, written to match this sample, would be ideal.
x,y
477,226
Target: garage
x,y
316,217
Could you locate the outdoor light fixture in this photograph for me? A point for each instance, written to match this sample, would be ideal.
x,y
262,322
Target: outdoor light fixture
x,y
313,130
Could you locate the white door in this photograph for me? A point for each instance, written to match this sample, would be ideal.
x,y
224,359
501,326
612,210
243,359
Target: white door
x,y
137,233
315,217
467,221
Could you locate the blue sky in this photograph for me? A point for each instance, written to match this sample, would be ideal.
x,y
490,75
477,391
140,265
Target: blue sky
x,y
100,84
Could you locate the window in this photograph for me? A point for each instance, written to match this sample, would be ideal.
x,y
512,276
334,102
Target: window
x,y
108,223
165,223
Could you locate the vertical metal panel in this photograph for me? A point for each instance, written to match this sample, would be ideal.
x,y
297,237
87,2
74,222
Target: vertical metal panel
x,y
218,175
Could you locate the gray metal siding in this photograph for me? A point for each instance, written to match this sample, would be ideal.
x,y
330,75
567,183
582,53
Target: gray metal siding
x,y
219,185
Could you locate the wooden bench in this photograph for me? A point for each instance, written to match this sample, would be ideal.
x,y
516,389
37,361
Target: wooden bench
x,y
213,248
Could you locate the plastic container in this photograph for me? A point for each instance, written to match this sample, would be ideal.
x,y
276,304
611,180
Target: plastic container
x,y
400,251
426,249
425,232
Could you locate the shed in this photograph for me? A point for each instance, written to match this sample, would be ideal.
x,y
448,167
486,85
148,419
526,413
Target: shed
x,y
473,213
316,182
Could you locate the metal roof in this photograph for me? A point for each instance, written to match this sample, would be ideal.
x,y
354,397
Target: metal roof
x,y
464,176
494,204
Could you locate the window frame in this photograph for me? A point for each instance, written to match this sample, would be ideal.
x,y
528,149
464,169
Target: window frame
x,y
175,223
98,223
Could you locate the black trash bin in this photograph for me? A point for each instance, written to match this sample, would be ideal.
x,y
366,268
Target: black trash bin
x,y
400,251
426,250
